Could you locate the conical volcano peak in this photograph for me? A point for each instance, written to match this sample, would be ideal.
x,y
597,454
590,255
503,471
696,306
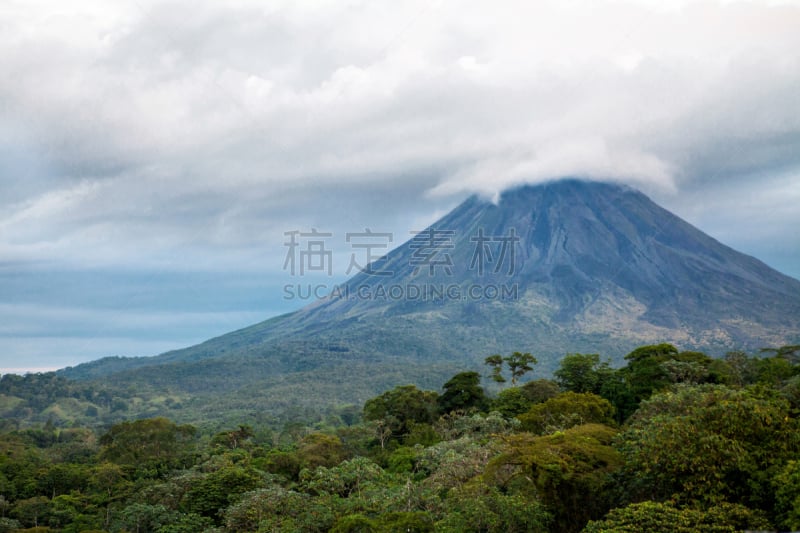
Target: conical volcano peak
x,y
592,255
564,266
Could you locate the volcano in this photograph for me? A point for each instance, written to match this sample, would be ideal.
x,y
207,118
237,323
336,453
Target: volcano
x,y
565,266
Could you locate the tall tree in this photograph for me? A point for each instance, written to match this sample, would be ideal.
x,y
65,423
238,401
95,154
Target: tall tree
x,y
496,363
518,364
582,372
462,392
401,408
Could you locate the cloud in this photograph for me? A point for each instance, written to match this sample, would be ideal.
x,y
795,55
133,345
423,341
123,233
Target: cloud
x,y
185,136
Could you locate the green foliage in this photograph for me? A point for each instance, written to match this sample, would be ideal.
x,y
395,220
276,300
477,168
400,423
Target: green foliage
x,y
7,525
275,508
355,523
655,368
774,370
402,459
319,449
651,351
478,426
664,517
518,364
344,480
32,512
398,522
285,464
709,444
149,447
449,464
481,507
566,410
234,438
692,456
787,495
569,471
402,522
582,373
210,495
462,393
401,408
187,523
511,402
496,364
144,517
540,390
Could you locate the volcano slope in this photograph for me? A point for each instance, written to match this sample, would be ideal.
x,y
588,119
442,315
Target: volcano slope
x,y
566,266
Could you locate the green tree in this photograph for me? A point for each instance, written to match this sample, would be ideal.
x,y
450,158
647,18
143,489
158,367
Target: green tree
x,y
644,373
518,364
108,484
709,444
582,372
62,478
789,352
319,449
651,369
496,364
355,523
144,518
8,525
774,371
540,390
740,369
188,523
569,471
511,402
664,517
32,512
462,392
150,447
213,493
401,408
477,506
275,508
566,410
787,495
234,438
406,521
344,480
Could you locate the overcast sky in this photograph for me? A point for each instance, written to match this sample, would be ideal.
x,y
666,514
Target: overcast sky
x,y
152,154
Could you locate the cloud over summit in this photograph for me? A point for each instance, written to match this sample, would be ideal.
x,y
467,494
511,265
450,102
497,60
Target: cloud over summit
x,y
190,135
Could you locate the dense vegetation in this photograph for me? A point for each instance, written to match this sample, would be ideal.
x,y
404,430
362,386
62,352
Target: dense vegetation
x,y
672,441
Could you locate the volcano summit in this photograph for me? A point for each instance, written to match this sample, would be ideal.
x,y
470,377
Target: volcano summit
x,y
565,266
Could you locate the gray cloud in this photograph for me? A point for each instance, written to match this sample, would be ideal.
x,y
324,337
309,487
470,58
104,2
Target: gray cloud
x,y
183,136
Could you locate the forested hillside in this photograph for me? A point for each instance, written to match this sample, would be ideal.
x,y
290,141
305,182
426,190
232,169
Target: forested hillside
x,y
672,441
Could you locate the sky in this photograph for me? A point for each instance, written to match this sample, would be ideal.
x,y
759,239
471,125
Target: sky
x,y
154,154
